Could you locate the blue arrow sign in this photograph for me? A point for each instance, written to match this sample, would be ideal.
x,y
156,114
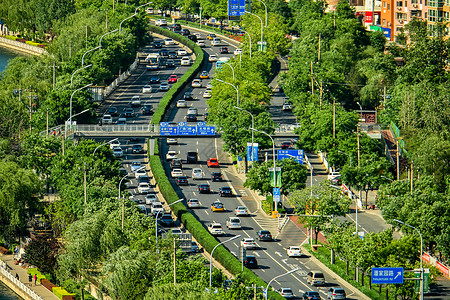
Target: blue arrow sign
x,y
187,130
297,154
387,275
206,130
276,195
166,129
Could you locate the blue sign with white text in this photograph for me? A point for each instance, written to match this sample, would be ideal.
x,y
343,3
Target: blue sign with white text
x,y
297,154
206,130
276,195
166,129
387,275
252,152
187,130
182,128
236,8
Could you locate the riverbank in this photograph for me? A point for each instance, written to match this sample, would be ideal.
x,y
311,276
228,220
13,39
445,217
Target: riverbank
x,y
21,47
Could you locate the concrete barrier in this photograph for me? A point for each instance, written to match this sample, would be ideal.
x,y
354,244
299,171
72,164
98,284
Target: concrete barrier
x,y
22,47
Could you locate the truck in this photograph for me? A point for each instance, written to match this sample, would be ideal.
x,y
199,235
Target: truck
x,y
152,61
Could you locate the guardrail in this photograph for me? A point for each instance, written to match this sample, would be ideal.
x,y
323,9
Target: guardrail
x,y
22,46
18,283
109,89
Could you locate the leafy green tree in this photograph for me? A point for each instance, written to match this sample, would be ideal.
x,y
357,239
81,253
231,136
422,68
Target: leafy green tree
x,y
42,252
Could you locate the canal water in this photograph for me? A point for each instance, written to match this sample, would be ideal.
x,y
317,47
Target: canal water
x,y
5,56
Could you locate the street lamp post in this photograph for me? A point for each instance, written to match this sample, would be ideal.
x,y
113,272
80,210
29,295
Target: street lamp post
x,y
65,127
253,126
236,88
287,273
212,253
135,13
274,160
76,71
347,155
71,97
108,142
250,38
231,69
156,222
421,255
265,8
82,58
123,200
262,28
101,38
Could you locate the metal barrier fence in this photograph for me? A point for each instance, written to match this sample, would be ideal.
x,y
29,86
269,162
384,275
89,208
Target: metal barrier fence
x,y
18,283
109,89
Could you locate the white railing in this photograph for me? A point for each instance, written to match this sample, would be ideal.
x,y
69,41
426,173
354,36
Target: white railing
x,y
18,283
144,128
109,89
21,45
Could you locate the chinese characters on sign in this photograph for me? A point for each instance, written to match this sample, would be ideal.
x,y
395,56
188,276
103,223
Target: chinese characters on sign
x,y
236,8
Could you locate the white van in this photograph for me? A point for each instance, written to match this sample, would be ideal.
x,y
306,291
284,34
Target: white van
x,y
185,61
107,119
215,42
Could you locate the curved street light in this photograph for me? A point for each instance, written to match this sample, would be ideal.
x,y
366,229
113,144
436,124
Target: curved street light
x,y
236,88
71,97
250,38
76,71
156,222
100,42
82,58
265,8
287,273
65,128
253,125
212,253
123,200
133,15
262,27
232,69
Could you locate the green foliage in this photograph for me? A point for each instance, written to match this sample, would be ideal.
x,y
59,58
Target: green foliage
x,y
41,252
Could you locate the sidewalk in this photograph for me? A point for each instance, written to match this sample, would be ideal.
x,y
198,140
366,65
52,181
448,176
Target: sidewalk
x,y
37,288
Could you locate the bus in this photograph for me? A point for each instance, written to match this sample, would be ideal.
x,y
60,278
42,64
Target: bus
x,y
152,61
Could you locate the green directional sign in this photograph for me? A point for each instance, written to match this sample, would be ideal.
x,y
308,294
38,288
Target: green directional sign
x,y
426,281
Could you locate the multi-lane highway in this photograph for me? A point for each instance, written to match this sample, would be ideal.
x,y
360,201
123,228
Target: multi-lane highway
x,y
271,256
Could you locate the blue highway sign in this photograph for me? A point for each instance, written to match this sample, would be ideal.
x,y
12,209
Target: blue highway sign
x,y
206,130
165,129
187,130
297,154
387,275
276,195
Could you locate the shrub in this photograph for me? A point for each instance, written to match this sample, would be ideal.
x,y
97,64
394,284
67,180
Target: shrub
x,y
61,293
48,285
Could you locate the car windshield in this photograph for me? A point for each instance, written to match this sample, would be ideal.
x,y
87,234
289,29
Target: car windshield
x,y
265,232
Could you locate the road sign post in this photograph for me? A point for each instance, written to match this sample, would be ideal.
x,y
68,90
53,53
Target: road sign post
x,y
387,275
276,195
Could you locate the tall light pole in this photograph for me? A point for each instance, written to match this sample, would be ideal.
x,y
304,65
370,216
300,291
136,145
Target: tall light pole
x,y
123,200
234,78
101,38
90,50
287,273
421,254
200,17
236,88
108,142
274,161
250,38
76,71
156,223
212,253
133,15
65,128
347,155
262,27
71,98
253,126
265,8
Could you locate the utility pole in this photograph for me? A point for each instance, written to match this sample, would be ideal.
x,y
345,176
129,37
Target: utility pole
x,y
312,79
174,262
398,161
334,119
85,188
412,178
47,122
30,108
86,35
318,54
320,94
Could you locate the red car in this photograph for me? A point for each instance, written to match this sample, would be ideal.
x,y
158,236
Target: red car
x,y
212,163
173,78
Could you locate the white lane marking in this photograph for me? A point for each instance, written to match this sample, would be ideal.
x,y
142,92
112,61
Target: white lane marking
x,y
234,253
257,254
278,253
235,245
279,244
206,212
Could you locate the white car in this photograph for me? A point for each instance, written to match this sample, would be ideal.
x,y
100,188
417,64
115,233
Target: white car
x,y
140,173
215,229
168,41
248,243
213,58
185,61
121,121
241,211
333,175
233,223
118,152
207,94
171,155
215,42
135,101
294,251
209,86
197,173
171,141
193,203
192,111
196,83
238,51
176,173
181,103
198,35
107,119
114,144
200,43
182,52
147,89
161,22
286,293
135,165
164,86
143,188
151,198
157,208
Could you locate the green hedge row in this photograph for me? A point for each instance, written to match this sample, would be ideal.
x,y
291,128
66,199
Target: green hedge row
x,y
187,77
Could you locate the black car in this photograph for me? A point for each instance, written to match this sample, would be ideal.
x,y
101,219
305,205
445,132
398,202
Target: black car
x,y
311,295
170,63
155,79
204,188
166,220
264,235
188,96
157,44
185,32
112,111
147,109
191,118
135,140
182,180
128,112
137,149
172,55
225,191
224,50
286,145
191,157
176,27
176,164
216,176
192,38
251,262
144,178
163,52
